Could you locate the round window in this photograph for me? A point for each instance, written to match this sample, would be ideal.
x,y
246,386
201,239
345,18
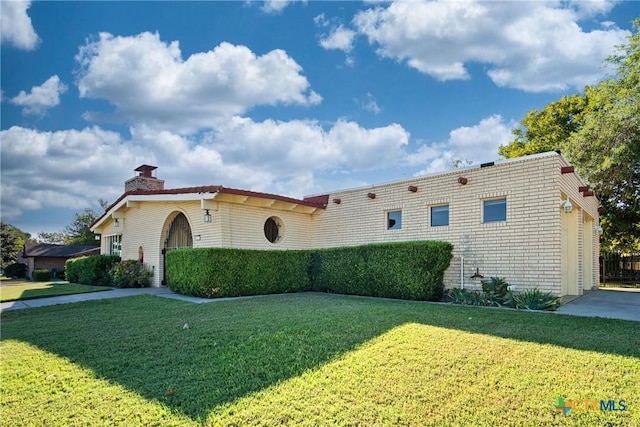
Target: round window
x,y
273,229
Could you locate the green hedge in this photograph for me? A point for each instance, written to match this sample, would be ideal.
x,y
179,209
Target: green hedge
x,y
408,270
218,272
41,275
90,270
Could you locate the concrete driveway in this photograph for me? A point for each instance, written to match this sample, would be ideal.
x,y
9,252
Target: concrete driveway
x,y
615,303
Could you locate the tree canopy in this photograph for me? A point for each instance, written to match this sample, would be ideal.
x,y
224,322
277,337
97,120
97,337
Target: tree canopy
x,y
76,233
599,132
12,241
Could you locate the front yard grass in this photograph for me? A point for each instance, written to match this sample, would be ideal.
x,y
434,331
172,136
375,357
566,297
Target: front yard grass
x,y
311,359
15,290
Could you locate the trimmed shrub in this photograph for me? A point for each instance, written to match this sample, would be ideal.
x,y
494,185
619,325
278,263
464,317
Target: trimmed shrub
x,y
409,270
221,272
131,274
16,270
406,270
41,275
90,270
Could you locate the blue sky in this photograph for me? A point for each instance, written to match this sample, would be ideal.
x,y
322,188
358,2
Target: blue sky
x,y
286,97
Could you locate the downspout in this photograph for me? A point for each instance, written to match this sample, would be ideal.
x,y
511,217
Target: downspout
x,y
461,271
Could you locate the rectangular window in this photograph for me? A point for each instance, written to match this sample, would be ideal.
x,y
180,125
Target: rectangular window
x,y
114,244
494,210
439,216
394,220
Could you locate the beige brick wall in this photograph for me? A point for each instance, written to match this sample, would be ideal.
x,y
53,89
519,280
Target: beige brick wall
x,y
525,250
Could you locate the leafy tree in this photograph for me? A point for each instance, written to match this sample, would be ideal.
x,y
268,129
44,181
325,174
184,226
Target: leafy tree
x,y
599,132
56,237
547,129
78,233
12,241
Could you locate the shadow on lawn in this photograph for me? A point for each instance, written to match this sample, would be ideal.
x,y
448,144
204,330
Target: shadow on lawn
x,y
235,348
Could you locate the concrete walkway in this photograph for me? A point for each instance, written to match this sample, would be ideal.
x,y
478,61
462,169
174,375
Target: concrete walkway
x,y
614,303
114,293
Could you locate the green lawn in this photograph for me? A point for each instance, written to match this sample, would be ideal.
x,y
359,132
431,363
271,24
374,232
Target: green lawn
x,y
14,290
311,359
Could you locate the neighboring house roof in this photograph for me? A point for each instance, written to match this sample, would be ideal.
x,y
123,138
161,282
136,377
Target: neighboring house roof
x,y
319,202
58,251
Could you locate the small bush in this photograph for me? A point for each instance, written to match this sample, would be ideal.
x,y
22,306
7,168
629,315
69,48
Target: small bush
x,y
17,270
534,299
495,287
41,275
90,270
131,274
495,293
467,297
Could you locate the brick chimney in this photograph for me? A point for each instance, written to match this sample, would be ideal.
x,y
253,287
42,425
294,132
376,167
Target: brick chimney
x,y
144,180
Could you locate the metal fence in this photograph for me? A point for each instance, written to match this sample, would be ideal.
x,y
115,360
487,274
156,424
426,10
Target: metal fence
x,y
620,268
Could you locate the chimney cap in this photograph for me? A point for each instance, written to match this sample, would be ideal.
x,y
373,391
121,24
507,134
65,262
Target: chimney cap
x,y
145,170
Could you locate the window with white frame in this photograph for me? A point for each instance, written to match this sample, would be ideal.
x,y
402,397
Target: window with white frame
x,y
439,216
394,220
494,210
114,244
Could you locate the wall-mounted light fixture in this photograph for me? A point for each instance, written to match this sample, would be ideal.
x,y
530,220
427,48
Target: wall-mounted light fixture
x,y
207,216
371,195
413,188
116,223
97,237
477,275
462,180
197,237
337,201
567,205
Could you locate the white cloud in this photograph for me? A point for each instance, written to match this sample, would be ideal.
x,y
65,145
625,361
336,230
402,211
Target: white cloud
x,y
282,157
41,97
275,7
64,169
15,25
149,82
340,38
369,103
467,144
533,46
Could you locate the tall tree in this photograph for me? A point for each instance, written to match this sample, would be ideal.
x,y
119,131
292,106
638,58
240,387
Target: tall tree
x,y
547,129
56,237
12,241
78,233
599,132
